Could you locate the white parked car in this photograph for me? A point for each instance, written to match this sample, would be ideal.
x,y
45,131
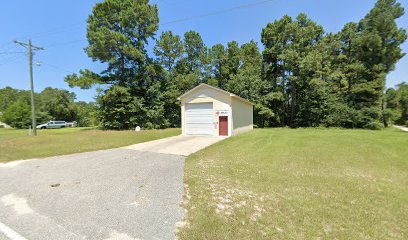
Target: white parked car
x,y
53,124
71,124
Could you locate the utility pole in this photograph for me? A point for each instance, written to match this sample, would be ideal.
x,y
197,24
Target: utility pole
x,y
30,49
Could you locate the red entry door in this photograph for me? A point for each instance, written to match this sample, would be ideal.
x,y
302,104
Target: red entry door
x,y
223,126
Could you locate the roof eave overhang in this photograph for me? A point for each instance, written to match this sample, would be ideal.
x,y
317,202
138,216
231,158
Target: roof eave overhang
x,y
217,89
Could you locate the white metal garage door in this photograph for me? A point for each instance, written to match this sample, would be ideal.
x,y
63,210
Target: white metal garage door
x,y
199,119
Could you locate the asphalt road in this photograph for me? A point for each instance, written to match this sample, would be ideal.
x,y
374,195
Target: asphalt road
x,y
110,194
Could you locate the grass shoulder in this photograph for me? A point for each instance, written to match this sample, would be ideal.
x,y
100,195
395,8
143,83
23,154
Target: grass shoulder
x,y
15,144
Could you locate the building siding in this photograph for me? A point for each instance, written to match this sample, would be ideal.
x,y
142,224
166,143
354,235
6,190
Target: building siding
x,y
240,112
220,101
242,115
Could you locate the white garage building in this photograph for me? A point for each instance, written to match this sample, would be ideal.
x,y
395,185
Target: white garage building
x,y
207,110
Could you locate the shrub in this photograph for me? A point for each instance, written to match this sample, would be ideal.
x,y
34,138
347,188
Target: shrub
x,y
373,126
17,115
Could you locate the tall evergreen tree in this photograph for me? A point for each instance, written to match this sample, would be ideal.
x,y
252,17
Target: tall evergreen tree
x,y
195,52
190,69
218,61
287,43
248,83
118,32
168,49
370,50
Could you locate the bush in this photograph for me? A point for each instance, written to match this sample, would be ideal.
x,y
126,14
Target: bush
x,y
342,116
17,115
373,126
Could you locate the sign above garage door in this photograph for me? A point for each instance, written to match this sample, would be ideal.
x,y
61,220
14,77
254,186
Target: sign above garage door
x,y
199,119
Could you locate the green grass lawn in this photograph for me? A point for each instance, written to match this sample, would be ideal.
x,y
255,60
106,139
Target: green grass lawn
x,y
300,184
15,144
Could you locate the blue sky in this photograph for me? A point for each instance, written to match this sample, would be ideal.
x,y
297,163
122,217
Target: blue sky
x,y
60,27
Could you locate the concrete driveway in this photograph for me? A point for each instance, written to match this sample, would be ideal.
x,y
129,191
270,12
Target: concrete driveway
x,y
126,193
178,145
405,129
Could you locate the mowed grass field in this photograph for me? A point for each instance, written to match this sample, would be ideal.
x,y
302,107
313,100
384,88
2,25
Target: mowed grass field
x,y
15,144
299,184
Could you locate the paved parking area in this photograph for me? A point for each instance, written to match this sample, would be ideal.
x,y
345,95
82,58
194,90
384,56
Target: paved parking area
x,y
111,194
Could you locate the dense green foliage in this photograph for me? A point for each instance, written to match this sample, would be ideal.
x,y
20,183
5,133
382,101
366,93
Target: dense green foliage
x,y
57,103
303,76
51,104
334,79
17,115
396,105
118,32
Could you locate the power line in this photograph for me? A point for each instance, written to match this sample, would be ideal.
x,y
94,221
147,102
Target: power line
x,y
66,43
5,44
10,48
10,59
10,52
55,30
165,23
217,12
184,19
56,67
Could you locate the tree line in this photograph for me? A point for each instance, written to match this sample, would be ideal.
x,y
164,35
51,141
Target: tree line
x,y
51,104
301,76
396,105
